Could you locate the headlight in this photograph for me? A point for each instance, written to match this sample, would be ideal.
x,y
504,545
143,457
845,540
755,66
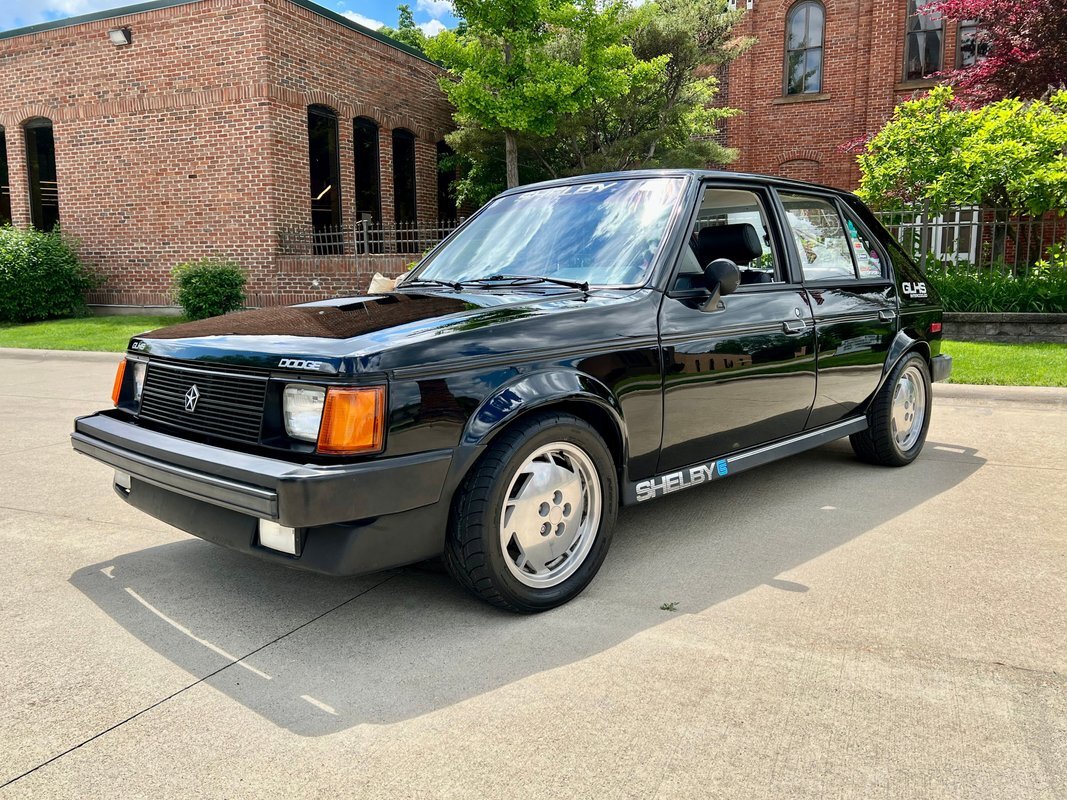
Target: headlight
x,y
302,406
139,370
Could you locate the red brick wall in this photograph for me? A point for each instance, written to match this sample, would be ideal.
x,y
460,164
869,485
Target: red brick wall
x,y
193,141
863,66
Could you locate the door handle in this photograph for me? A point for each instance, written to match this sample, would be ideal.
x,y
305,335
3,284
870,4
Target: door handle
x,y
794,327
887,316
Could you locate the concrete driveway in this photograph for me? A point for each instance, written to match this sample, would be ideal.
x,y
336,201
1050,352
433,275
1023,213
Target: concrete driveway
x,y
841,631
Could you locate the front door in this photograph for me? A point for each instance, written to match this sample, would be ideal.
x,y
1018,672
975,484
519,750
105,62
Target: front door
x,y
743,373
853,298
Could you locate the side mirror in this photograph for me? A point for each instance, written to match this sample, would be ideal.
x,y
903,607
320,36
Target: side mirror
x,y
721,277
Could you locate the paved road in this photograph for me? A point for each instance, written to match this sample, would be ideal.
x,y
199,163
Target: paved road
x,y
841,631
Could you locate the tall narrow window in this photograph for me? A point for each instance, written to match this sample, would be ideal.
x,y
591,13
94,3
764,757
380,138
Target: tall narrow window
x,y
368,169
325,173
404,208
973,46
41,169
923,45
803,48
446,179
5,186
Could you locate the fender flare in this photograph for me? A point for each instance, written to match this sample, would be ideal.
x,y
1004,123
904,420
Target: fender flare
x,y
533,390
903,343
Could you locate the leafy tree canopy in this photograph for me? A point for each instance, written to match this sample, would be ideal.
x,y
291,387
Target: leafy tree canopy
x,y
559,87
406,30
1027,43
1010,153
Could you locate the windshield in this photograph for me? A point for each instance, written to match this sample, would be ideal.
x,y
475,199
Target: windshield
x,y
603,234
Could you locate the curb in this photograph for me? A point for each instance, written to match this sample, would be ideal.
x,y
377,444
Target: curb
x,y
1045,395
32,354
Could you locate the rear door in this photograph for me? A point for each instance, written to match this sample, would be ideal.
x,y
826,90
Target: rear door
x,y
742,373
846,276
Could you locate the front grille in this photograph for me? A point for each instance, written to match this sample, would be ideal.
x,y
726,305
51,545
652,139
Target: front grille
x,y
228,404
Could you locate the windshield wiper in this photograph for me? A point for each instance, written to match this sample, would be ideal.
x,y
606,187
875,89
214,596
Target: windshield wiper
x,y
524,280
431,282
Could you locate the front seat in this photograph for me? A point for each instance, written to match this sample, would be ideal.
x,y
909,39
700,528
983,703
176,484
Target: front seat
x,y
738,242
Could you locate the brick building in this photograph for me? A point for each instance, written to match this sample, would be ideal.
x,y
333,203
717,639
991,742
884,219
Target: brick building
x,y
185,128
827,72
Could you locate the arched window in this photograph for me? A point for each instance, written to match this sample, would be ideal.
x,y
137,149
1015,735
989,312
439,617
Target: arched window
x,y
446,179
803,48
5,186
405,207
404,202
325,174
368,169
41,170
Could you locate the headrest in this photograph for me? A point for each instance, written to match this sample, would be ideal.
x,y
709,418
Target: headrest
x,y
738,242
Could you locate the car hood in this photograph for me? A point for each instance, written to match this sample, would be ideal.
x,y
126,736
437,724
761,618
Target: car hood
x,y
379,332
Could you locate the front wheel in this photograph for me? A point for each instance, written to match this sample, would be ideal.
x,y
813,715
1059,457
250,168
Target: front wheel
x,y
533,521
899,416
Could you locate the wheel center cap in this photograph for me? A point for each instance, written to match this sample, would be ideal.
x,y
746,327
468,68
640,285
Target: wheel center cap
x,y
555,516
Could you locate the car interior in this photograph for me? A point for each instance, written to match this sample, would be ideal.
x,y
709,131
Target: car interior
x,y
731,224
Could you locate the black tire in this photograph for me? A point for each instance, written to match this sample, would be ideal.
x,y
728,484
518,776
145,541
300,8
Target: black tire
x,y
878,444
474,553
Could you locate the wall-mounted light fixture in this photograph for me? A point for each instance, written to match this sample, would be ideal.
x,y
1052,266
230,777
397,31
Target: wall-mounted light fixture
x,y
120,37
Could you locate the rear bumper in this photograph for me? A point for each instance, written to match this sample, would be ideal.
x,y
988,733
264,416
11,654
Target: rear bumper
x,y
350,518
940,368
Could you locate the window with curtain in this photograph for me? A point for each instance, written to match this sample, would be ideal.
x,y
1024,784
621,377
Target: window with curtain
x,y
803,48
973,46
924,41
41,171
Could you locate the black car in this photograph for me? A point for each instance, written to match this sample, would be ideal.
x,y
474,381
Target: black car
x,y
575,346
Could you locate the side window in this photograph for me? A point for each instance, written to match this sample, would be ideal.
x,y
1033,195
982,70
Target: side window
x,y
864,249
824,247
731,223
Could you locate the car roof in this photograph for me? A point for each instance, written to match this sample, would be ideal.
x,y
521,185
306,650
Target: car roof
x,y
697,174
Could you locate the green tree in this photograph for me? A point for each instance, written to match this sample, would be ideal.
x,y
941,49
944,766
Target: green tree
x,y
406,31
590,86
1009,153
506,79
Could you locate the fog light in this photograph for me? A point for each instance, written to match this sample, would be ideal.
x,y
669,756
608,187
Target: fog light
x,y
277,537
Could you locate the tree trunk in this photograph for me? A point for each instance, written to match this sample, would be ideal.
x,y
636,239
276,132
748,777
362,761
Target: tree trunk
x,y
511,159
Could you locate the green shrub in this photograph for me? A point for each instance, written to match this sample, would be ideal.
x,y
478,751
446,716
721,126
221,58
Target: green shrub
x,y
40,276
208,287
992,290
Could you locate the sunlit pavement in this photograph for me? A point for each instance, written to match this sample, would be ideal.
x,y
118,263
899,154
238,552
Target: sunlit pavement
x,y
840,631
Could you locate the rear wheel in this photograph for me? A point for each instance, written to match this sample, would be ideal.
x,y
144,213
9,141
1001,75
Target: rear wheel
x,y
899,416
533,521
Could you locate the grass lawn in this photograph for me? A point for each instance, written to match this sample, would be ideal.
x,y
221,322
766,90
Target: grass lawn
x,y
1007,364
110,334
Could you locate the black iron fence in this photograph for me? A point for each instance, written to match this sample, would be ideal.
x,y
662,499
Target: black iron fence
x,y
979,238
365,238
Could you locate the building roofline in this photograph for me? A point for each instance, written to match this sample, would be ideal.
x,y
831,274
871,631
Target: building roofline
x,y
155,5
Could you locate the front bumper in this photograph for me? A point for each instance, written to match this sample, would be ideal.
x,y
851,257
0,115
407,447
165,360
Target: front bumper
x,y
940,368
351,518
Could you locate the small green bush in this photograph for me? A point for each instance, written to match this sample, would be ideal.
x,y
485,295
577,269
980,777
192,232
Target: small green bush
x,y
40,276
208,287
1042,291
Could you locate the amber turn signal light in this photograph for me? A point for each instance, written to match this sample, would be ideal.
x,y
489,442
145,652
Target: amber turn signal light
x,y
116,390
353,420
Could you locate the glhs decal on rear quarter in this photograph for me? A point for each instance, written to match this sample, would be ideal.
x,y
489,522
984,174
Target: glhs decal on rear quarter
x,y
683,479
914,289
